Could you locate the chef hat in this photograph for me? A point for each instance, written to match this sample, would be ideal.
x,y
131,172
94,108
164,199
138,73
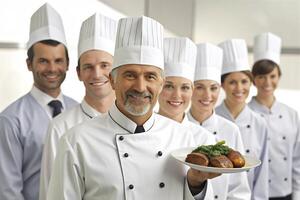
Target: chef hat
x,y
209,62
97,32
46,24
139,41
267,46
235,56
180,57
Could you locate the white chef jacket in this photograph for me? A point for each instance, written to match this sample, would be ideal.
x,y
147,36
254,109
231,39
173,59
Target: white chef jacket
x,y
227,186
57,127
102,159
23,126
284,148
254,135
201,135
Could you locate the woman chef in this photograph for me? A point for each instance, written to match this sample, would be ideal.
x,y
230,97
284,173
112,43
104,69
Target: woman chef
x,y
204,98
180,60
236,80
282,121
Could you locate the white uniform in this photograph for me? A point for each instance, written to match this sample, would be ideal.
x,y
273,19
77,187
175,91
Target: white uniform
x,y
57,127
102,159
227,186
201,135
254,134
284,148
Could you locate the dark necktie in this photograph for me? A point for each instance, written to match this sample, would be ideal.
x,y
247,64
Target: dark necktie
x,y
139,129
56,106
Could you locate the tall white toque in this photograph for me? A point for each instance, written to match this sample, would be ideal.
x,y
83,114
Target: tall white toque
x,y
46,24
98,32
180,57
267,46
139,40
235,56
209,62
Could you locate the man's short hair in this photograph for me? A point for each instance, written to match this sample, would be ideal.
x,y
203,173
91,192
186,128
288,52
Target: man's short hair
x,y
30,52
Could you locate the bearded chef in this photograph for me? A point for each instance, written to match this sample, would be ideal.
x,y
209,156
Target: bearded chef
x,y
125,154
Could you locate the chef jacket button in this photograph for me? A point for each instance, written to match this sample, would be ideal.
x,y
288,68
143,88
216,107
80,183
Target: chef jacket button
x,y
215,132
121,138
126,155
283,137
131,186
216,196
269,160
162,185
280,116
248,126
261,115
285,179
269,180
247,151
159,153
248,170
284,158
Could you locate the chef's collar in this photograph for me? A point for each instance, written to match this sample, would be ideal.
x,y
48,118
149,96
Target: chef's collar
x,y
264,109
126,123
206,123
243,115
43,99
89,110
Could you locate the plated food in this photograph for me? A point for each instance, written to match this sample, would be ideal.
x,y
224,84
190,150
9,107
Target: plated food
x,y
180,156
218,155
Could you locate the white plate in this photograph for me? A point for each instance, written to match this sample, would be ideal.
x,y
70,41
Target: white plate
x,y
181,154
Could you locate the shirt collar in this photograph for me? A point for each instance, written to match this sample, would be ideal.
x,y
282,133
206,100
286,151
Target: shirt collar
x,y
264,109
244,114
43,99
89,110
206,123
119,118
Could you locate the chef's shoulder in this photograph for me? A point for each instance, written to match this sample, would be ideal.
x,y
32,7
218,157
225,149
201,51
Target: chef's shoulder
x,y
201,135
98,126
288,111
167,124
227,125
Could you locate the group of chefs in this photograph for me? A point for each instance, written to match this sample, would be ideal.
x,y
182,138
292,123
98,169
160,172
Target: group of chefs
x,y
113,146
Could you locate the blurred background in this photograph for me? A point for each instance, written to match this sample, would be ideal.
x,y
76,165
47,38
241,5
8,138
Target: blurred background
x,y
201,20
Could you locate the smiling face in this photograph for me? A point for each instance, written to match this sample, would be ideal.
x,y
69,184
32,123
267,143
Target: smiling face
x,y
266,84
175,97
48,66
236,86
205,95
94,69
136,88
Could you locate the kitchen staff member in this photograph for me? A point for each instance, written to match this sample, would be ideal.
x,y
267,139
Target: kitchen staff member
x,y
95,57
282,121
23,124
126,153
236,80
179,66
205,95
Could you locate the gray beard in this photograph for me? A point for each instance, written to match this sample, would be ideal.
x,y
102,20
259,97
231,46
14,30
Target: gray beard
x,y
136,112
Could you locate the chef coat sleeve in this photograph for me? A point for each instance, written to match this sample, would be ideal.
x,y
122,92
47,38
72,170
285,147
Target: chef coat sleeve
x,y
205,194
261,173
296,162
67,181
49,153
11,156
